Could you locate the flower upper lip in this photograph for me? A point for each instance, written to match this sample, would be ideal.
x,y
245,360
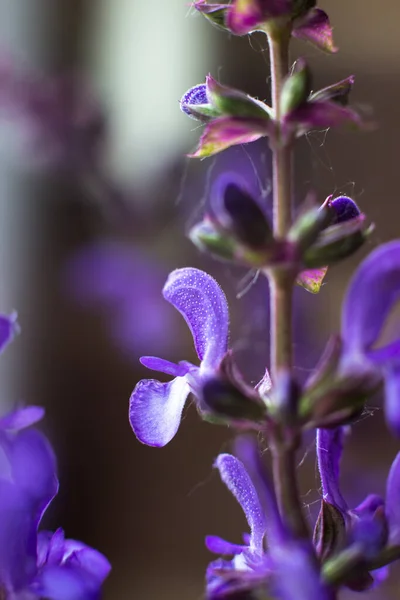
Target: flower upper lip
x,y
155,408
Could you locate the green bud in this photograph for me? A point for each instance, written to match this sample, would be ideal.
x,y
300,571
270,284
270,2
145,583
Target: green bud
x,y
208,238
337,242
234,103
307,227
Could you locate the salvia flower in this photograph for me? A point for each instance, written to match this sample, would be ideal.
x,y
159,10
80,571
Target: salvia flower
x,y
373,527
270,558
372,293
37,565
155,408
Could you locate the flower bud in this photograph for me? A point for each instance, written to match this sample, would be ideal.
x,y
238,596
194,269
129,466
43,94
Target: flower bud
x,y
208,238
345,209
235,103
195,103
236,212
338,241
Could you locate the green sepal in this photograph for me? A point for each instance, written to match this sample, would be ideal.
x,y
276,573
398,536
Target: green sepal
x,y
329,532
214,13
337,243
310,223
226,402
203,112
208,238
296,88
235,103
340,399
337,92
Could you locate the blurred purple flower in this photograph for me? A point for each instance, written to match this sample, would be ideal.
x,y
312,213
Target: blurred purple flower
x,y
36,565
374,524
372,293
57,117
8,329
155,408
124,280
287,566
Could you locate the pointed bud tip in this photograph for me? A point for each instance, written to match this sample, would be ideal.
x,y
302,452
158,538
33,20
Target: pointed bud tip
x,y
195,95
345,209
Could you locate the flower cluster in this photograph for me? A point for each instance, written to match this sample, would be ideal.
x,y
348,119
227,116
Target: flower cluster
x,y
36,564
350,547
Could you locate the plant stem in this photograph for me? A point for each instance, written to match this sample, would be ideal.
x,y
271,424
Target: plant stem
x,y
281,280
281,284
286,488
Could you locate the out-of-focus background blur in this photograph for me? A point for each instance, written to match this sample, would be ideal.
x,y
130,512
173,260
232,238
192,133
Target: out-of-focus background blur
x,y
85,274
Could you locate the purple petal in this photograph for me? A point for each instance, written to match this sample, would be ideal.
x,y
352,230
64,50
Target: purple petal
x,y
316,28
165,366
21,418
155,410
55,546
33,466
373,291
296,574
17,536
195,95
224,132
329,452
8,329
237,480
392,397
89,560
67,583
393,501
248,451
379,575
217,545
203,305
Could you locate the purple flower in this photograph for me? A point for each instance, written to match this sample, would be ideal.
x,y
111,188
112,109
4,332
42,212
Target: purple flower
x,y
36,565
8,329
287,566
372,293
126,282
155,408
374,525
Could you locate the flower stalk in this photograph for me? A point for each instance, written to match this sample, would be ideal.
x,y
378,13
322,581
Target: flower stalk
x,y
281,282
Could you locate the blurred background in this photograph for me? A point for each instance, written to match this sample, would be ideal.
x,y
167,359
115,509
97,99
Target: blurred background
x,y
91,223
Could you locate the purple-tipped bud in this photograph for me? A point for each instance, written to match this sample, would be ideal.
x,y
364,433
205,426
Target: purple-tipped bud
x,y
196,95
235,209
345,209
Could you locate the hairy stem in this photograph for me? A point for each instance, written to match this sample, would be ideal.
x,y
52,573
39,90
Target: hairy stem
x,y
281,292
286,489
